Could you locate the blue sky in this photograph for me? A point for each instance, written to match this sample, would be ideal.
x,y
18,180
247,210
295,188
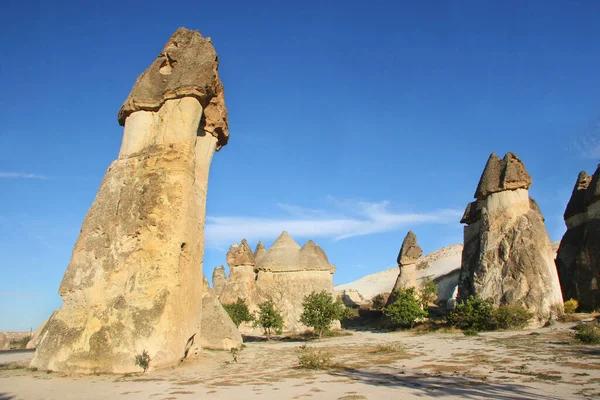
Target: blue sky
x,y
350,123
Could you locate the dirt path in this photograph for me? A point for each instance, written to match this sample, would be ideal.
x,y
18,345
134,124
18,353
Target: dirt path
x,y
541,364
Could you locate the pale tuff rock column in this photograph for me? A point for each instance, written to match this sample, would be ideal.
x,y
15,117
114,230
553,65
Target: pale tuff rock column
x,y
507,255
135,279
407,262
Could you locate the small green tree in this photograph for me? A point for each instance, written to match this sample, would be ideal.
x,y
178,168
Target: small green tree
x,y
269,319
474,314
405,308
429,291
320,310
571,306
378,302
143,360
239,312
510,317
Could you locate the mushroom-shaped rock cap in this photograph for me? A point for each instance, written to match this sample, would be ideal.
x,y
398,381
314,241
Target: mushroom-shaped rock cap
x,y
312,258
282,256
502,174
259,251
592,194
472,213
187,66
240,254
576,203
410,250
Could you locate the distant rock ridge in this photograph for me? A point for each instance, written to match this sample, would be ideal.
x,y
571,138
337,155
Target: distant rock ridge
x,y
507,255
578,258
284,273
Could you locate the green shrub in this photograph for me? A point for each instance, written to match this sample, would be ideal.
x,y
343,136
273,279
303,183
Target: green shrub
x,y
473,314
143,360
510,317
405,308
320,310
378,302
239,312
470,332
571,306
269,319
429,291
588,333
235,353
312,358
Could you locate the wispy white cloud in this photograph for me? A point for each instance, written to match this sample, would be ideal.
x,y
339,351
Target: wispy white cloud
x,y
346,219
21,175
19,294
588,144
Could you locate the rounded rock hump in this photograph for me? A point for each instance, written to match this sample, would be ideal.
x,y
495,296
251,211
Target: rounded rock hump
x,y
312,258
502,174
186,67
410,250
282,256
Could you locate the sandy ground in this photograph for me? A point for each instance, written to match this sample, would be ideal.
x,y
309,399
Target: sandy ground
x,y
541,364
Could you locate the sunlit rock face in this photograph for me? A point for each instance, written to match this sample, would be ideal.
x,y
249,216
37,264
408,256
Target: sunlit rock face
x,y
507,255
578,258
407,263
134,282
285,273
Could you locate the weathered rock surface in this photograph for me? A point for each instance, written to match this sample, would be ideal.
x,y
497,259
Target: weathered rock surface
x,y
286,273
578,258
407,263
507,255
37,336
218,330
134,282
259,251
219,280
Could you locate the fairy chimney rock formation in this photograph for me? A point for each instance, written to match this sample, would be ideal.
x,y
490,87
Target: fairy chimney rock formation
x,y
219,280
240,284
259,251
507,255
407,262
133,280
578,258
285,274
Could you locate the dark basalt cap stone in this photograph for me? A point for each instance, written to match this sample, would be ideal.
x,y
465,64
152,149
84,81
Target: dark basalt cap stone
x,y
186,67
502,174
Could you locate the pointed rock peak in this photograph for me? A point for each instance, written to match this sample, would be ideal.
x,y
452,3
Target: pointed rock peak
x,y
515,175
259,251
592,194
502,174
576,204
410,250
285,240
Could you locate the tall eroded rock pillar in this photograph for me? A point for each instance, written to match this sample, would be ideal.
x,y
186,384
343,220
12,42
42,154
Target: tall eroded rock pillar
x,y
578,258
135,278
507,255
407,262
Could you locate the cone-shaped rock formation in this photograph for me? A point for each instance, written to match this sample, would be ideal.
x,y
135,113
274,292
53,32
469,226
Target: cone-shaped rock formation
x,y
135,280
407,262
285,274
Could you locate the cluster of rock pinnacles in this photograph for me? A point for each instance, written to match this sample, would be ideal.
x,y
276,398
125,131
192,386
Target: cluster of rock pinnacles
x,y
135,283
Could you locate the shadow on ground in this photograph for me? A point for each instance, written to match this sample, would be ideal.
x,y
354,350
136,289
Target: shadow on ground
x,y
443,386
6,396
